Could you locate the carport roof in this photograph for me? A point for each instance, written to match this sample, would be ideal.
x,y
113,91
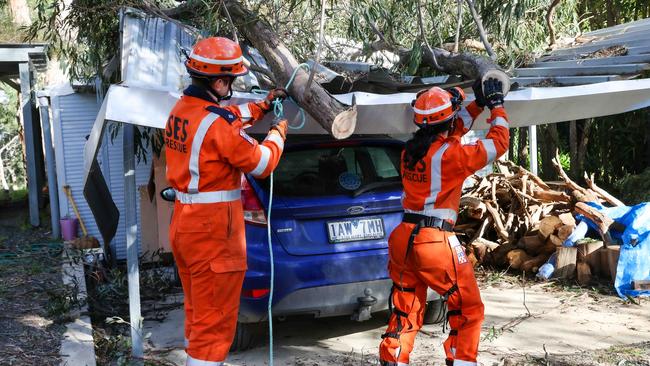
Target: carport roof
x,y
11,54
615,53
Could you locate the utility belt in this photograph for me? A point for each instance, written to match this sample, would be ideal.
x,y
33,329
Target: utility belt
x,y
421,221
428,221
208,197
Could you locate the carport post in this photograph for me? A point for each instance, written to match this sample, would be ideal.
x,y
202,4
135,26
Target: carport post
x,y
532,144
30,144
51,166
131,242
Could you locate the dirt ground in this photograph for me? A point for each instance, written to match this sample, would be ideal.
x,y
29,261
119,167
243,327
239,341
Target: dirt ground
x,y
557,324
33,300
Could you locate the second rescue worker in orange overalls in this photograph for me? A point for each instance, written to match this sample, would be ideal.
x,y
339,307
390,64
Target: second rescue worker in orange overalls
x,y
207,151
423,250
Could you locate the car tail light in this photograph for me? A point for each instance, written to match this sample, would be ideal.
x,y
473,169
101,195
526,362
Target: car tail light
x,y
255,293
253,209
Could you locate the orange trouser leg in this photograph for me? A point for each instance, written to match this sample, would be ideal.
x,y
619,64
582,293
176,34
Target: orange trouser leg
x,y
212,267
435,262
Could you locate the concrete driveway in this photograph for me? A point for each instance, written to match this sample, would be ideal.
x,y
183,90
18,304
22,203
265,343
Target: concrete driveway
x,y
553,320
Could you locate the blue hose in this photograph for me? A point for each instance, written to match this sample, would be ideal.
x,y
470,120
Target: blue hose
x,y
278,110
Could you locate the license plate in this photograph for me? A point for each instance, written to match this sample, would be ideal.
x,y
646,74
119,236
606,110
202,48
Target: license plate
x,y
355,229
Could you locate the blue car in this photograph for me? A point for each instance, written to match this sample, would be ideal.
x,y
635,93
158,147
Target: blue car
x,y
334,205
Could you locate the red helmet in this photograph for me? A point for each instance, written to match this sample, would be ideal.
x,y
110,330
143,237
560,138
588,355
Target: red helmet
x,y
216,56
434,106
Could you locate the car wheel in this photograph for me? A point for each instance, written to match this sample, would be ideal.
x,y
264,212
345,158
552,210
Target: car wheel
x,y
245,336
435,312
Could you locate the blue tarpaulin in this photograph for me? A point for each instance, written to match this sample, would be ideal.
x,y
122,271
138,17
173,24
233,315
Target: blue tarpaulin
x,y
634,260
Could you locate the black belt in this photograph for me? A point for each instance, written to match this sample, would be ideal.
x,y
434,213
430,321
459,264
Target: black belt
x,y
428,221
421,221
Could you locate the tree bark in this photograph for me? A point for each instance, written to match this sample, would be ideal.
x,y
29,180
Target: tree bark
x,y
481,30
522,147
20,12
573,148
550,142
583,145
332,115
549,22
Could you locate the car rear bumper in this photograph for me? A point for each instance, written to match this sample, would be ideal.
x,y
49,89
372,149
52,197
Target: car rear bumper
x,y
323,301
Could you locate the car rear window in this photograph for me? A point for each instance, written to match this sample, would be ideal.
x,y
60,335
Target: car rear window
x,y
336,170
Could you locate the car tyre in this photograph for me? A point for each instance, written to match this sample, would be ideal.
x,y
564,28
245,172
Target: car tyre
x,y
245,336
435,312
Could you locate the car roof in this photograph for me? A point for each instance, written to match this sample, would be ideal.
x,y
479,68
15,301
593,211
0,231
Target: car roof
x,y
301,141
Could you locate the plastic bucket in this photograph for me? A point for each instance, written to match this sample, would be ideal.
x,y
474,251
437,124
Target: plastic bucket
x,y
69,228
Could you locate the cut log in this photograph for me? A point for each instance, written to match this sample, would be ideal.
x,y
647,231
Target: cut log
x,y
590,253
548,226
555,240
641,285
584,273
564,231
612,252
475,207
566,262
551,196
533,264
498,256
567,219
498,223
603,222
516,258
523,171
532,244
548,248
336,118
482,247
603,193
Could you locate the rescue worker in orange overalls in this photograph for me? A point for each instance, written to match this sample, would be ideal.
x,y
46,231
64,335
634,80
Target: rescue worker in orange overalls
x,y
423,250
207,150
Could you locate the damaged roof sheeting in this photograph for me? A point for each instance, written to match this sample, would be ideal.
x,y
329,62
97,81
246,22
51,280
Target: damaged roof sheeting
x,y
616,53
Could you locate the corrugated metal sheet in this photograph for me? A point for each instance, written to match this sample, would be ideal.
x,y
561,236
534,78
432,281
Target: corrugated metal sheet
x,y
73,116
151,50
623,53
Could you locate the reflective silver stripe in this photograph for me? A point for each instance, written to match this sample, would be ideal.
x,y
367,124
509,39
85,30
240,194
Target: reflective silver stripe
x,y
245,112
277,139
264,161
436,175
441,213
453,351
466,117
212,61
490,149
208,197
464,363
205,124
191,361
432,110
500,121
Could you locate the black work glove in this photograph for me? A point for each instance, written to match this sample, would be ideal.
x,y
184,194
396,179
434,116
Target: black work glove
x,y
478,93
277,93
493,91
457,97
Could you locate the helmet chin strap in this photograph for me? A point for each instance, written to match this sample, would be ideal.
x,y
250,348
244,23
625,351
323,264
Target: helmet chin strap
x,y
215,95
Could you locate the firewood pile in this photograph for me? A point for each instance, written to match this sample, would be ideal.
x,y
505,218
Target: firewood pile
x,y
513,219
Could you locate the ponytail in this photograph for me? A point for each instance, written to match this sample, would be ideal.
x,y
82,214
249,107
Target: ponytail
x,y
416,148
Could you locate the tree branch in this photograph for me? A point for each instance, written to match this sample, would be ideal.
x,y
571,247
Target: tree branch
x,y
332,115
481,30
549,22
459,16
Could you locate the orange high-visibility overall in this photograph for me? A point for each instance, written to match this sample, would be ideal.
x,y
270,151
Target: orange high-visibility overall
x,y
423,250
207,150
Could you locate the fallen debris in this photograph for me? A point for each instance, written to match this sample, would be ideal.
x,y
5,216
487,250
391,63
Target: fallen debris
x,y
516,220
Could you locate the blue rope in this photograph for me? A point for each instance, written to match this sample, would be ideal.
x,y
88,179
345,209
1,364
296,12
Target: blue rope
x,y
278,110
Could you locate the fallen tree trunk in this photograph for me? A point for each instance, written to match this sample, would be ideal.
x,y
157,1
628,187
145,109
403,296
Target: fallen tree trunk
x,y
335,117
